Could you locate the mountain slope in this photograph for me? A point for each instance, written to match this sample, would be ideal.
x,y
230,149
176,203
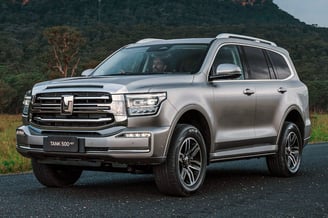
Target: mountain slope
x,y
106,25
131,12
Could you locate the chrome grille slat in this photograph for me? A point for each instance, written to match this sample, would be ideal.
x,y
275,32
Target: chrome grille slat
x,y
73,120
46,108
46,112
92,105
90,109
88,112
49,98
43,105
93,98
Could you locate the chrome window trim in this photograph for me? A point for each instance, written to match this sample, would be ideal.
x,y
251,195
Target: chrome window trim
x,y
293,73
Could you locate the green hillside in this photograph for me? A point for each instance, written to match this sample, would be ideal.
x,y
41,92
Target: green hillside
x,y
108,24
149,12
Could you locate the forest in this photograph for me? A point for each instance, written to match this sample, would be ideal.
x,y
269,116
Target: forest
x,y
102,26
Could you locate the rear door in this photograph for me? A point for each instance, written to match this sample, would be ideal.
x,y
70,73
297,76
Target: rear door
x,y
270,94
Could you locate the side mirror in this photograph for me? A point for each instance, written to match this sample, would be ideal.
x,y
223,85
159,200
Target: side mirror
x,y
87,72
226,71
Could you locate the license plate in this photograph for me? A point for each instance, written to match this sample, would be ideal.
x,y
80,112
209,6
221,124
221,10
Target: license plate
x,y
61,144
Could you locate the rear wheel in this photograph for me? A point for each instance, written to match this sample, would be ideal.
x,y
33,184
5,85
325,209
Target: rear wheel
x,y
185,167
55,176
288,158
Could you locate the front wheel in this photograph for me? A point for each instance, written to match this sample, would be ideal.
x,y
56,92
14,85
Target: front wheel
x,y
184,169
287,161
55,176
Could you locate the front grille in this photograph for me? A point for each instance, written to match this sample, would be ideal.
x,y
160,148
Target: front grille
x,y
88,109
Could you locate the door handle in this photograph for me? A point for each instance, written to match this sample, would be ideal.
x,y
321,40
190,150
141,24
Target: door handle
x,y
282,90
249,92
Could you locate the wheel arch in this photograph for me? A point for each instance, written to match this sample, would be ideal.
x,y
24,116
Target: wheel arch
x,y
195,116
295,116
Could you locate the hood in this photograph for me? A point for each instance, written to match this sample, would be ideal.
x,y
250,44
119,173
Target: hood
x,y
114,84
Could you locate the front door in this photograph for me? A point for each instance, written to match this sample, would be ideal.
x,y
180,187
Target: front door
x,y
235,101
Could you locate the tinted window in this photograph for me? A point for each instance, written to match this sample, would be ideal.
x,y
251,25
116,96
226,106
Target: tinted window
x,y
280,65
228,54
154,59
257,65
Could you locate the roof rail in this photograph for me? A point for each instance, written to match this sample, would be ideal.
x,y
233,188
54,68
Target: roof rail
x,y
228,35
147,40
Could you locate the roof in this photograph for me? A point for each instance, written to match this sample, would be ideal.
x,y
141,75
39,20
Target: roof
x,y
152,41
226,37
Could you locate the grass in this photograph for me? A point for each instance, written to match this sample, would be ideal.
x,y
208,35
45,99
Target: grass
x,y
319,128
12,162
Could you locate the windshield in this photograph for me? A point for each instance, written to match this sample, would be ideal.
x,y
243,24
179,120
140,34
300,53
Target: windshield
x,y
154,59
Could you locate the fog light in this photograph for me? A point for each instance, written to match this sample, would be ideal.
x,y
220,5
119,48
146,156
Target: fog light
x,y
137,135
20,132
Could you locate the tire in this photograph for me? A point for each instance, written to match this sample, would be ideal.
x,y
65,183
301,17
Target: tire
x,y
184,170
287,161
55,176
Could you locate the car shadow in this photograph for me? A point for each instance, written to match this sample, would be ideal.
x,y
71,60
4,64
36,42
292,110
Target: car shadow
x,y
220,177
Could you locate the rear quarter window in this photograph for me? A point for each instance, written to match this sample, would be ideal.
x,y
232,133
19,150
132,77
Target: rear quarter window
x,y
280,65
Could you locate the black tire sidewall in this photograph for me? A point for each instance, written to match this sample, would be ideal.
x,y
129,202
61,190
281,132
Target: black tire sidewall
x,y
287,129
183,132
53,176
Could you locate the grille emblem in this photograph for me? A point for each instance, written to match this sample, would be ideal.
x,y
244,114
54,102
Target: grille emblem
x,y
67,102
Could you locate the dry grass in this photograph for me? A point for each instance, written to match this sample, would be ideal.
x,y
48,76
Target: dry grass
x,y
319,128
10,160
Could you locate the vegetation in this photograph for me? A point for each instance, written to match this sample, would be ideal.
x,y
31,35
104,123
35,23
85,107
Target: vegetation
x,y
10,160
319,128
27,54
65,44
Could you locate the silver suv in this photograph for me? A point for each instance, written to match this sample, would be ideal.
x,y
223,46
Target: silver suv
x,y
169,107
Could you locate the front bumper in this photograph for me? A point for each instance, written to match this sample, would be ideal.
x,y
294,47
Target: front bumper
x,y
115,145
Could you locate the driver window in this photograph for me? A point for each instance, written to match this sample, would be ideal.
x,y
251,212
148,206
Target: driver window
x,y
227,55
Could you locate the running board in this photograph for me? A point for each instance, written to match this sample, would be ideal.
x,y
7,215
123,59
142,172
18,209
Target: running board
x,y
242,153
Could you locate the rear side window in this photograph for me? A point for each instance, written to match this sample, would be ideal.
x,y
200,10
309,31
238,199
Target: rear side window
x,y
256,63
280,65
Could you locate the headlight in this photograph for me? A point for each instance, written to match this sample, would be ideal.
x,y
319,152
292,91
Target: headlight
x,y
144,104
26,102
118,108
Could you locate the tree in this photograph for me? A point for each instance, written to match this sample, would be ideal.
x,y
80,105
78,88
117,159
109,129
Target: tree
x,y
7,94
65,45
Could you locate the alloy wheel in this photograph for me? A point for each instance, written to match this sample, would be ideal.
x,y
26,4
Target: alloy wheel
x,y
190,162
292,152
